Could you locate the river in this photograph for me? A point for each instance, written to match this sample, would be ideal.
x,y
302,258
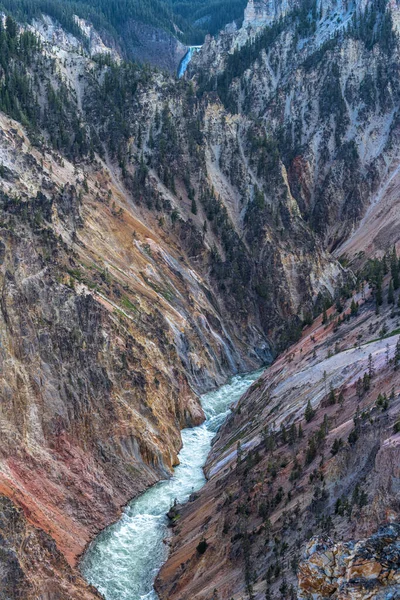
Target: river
x,y
123,561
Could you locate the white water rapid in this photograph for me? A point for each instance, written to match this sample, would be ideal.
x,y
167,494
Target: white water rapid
x,y
123,561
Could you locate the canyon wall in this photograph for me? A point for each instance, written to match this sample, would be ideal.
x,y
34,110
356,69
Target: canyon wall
x,y
311,449
260,14
124,265
158,236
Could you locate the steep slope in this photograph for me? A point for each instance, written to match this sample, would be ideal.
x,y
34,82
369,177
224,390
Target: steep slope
x,y
158,236
125,252
32,566
321,85
311,449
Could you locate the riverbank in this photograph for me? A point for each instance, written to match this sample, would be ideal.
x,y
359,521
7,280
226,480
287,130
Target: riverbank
x,y
123,562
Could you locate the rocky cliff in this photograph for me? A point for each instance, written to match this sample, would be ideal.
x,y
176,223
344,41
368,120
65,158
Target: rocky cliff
x,y
319,85
158,236
259,14
366,569
125,251
311,449
305,449
31,565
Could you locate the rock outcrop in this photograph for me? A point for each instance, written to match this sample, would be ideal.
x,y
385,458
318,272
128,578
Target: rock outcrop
x,y
304,78
158,236
259,13
358,571
307,451
32,567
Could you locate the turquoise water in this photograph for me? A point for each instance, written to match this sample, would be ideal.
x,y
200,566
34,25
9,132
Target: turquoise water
x,y
186,60
123,561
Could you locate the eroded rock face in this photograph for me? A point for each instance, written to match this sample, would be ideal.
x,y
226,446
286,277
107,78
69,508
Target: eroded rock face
x,y
309,95
31,566
265,12
272,486
149,44
180,253
83,426
106,337
352,571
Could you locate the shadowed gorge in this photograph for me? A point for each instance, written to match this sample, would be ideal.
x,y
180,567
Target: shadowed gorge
x,y
161,235
124,561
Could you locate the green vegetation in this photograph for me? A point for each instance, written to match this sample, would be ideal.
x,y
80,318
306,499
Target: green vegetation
x,y
309,413
374,26
336,446
202,546
16,55
29,95
375,271
194,19
238,62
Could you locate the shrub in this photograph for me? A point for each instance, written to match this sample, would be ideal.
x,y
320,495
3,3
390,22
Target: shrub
x,y
202,547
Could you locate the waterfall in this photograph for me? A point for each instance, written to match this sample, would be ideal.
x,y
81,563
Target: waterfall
x,y
186,60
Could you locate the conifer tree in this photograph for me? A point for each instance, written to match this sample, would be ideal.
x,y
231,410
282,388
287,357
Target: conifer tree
x,y
292,434
309,413
354,308
332,395
394,267
391,292
397,354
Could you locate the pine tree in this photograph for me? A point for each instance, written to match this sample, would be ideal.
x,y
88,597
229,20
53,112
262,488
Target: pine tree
x,y
292,434
397,354
378,294
337,444
354,308
366,382
391,292
11,28
309,413
311,451
332,395
394,267
384,265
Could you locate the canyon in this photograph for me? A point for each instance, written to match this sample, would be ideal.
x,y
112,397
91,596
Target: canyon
x,y
158,236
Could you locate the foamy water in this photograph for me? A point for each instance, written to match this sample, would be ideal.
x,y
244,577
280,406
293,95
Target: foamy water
x,y
123,561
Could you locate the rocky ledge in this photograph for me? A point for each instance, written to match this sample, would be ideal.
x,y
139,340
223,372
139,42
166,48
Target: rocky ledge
x,y
360,570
